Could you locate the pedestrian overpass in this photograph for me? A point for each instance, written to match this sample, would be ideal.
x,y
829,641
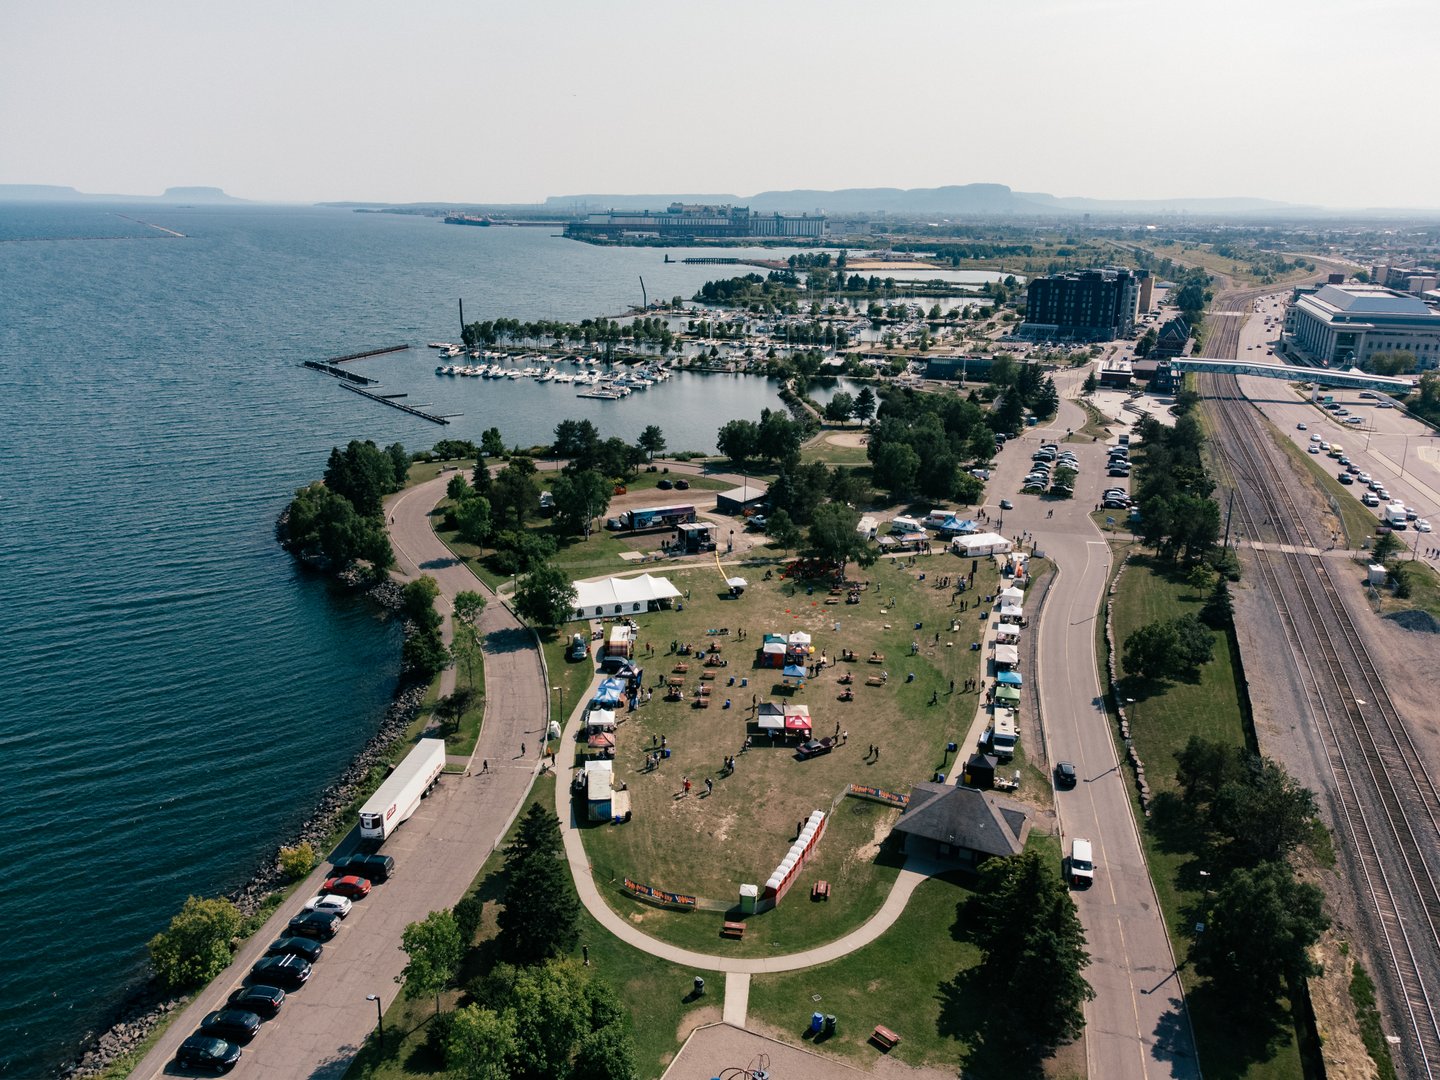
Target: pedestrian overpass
x,y
1351,380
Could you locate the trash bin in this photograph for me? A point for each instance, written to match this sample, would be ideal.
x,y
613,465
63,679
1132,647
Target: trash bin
x,y
817,1021
727,703
950,746
744,682
939,778
665,752
829,1023
699,986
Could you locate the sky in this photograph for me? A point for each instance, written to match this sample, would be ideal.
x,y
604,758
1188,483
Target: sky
x,y
1308,101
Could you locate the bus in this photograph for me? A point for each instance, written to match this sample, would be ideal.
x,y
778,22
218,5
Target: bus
x,y
1336,450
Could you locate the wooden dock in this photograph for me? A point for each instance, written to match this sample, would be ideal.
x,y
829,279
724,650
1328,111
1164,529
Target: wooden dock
x,y
396,404
369,352
340,373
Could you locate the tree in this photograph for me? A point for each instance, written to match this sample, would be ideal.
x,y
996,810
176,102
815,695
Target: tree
x,y
840,408
322,524
399,465
196,945
1263,811
1147,342
1195,643
607,1053
363,474
541,914
1046,402
473,520
738,440
1090,385
1203,767
652,441
579,497
458,489
1149,651
491,443
465,630
515,492
1010,412
417,601
864,404
576,439
435,950
832,537
544,596
897,467
1257,938
1034,952
783,531
551,1014
1387,546
297,861
1191,300
481,1044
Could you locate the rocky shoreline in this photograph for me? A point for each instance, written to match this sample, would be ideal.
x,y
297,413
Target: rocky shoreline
x,y
147,1006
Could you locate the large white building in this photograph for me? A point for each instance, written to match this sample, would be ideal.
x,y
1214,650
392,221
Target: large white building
x,y
1345,325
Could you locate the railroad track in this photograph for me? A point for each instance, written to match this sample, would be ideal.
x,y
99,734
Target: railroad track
x,y
1386,802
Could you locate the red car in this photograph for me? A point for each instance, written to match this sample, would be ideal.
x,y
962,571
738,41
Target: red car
x,y
356,888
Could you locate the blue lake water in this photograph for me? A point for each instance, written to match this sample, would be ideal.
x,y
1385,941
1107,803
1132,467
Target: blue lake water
x,y
174,693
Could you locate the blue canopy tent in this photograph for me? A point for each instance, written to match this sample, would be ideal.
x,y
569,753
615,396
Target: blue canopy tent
x,y
609,694
953,526
796,672
1009,678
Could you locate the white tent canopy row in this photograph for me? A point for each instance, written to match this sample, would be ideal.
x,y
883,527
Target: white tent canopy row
x,y
1007,654
1012,595
986,543
620,596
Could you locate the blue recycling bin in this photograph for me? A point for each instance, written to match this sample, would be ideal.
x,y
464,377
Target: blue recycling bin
x,y
939,778
817,1021
744,682
665,752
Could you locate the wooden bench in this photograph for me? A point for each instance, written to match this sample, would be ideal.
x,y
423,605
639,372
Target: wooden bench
x,y
820,891
874,680
737,930
681,669
876,658
884,1037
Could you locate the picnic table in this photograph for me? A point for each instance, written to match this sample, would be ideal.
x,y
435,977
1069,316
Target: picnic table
x,y
681,669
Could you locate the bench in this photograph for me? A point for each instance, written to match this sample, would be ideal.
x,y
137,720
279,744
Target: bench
x,y
737,930
681,669
884,1037
874,680
820,891
876,658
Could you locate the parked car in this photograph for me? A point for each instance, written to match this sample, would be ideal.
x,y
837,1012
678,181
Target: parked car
x,y
1064,774
1345,478
351,886
320,925
1006,504
232,1025
664,485
1364,478
263,1001
286,972
682,485
815,747
1315,438
1300,427
614,524
338,905
1354,420
204,1054
1421,525
373,868
308,949
1370,499
1113,471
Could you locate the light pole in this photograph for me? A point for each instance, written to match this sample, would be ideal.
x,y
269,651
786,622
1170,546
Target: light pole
x,y
561,691
379,1021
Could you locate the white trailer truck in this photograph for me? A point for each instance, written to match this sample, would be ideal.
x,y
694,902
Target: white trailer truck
x,y
399,796
1394,515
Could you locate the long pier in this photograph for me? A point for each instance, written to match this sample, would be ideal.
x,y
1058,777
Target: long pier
x,y
395,404
368,352
339,373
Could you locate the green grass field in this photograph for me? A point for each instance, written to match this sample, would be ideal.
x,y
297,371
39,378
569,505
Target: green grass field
x,y
1357,523
1162,719
709,844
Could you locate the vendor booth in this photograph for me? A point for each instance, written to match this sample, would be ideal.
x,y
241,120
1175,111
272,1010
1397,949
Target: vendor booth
x,y
1010,678
987,543
1012,613
609,694
1007,694
1006,656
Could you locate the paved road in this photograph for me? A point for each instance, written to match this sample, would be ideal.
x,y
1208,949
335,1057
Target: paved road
x,y
438,852
1137,1026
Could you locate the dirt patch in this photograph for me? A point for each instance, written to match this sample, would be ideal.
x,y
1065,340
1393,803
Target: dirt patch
x,y
696,1018
849,439
1345,1055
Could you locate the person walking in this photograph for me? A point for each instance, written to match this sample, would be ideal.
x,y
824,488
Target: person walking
x,y
709,786
952,686
687,785
484,765
522,749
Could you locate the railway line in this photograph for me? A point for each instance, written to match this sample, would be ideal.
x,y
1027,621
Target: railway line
x,y
1385,801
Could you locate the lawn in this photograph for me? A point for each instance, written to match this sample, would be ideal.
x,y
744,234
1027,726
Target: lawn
x,y
838,450
1424,587
707,845
1357,522
911,980
1162,719
660,1025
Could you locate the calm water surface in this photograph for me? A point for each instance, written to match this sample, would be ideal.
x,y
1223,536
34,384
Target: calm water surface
x,y
174,693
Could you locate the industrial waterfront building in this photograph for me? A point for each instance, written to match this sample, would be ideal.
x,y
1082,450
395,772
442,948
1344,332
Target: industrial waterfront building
x,y
1091,305
680,221
1345,325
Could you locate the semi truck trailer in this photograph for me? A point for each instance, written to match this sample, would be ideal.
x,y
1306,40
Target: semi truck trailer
x,y
399,796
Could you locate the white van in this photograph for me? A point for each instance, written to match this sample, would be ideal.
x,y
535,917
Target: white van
x,y
1082,863
1002,735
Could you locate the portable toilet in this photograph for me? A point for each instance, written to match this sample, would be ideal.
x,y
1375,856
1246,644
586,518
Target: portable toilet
x,y
749,897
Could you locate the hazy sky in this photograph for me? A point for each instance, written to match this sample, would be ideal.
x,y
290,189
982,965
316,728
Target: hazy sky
x,y
1317,101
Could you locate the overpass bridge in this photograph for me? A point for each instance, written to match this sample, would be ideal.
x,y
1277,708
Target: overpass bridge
x,y
1351,380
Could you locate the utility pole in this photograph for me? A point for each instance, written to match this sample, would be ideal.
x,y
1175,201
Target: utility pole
x,y
1228,510
644,297
462,318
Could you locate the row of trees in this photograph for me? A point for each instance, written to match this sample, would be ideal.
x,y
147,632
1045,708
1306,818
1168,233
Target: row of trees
x,y
776,437
339,522
536,1013
1178,518
588,332
920,443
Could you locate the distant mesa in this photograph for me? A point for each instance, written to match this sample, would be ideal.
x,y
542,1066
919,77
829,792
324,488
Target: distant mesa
x,y
58,193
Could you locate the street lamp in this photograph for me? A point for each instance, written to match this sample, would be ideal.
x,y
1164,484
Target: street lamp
x,y
561,690
379,1021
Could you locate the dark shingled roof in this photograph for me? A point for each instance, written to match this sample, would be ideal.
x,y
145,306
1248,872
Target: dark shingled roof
x,y
966,818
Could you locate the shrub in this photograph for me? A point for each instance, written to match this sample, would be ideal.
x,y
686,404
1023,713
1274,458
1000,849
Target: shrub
x,y
297,861
196,945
